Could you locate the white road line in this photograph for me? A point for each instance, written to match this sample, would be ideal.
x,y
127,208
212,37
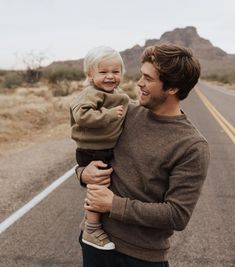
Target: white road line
x,y
27,207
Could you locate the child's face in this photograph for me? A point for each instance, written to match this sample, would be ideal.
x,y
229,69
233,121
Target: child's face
x,y
107,75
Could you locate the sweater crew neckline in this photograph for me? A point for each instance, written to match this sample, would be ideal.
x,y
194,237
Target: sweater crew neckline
x,y
166,118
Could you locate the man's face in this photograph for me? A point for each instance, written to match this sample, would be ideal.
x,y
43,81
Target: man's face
x,y
152,96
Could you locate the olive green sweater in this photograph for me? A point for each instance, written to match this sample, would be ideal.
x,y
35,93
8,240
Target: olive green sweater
x,y
160,164
94,120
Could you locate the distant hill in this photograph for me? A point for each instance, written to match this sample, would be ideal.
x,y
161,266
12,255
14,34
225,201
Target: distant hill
x,y
213,59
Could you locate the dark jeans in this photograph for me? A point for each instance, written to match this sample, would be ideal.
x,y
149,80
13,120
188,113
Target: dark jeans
x,y
85,156
93,257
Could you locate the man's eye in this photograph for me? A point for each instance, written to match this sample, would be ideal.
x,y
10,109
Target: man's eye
x,y
147,78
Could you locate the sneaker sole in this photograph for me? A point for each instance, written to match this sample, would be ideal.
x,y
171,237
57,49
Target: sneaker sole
x,y
110,247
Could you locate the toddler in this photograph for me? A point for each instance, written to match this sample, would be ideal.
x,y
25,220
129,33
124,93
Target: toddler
x,y
97,116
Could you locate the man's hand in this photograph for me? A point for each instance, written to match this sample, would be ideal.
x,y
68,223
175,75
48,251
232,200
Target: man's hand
x,y
93,175
99,198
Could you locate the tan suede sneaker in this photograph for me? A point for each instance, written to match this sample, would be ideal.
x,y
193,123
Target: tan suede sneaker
x,y
98,239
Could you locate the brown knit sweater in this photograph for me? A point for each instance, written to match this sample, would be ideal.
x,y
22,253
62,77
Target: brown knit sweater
x,y
160,164
94,121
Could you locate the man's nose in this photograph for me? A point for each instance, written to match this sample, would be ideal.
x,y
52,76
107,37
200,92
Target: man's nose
x,y
140,82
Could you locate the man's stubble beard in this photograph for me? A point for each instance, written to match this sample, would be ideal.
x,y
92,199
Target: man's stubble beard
x,y
156,102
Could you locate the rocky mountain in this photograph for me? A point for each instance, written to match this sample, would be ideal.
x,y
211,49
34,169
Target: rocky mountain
x,y
213,59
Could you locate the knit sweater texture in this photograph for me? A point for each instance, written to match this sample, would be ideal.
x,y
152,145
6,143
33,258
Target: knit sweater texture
x,y
94,120
160,164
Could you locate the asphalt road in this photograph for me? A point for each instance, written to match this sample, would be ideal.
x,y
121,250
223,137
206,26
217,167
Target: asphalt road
x,y
47,235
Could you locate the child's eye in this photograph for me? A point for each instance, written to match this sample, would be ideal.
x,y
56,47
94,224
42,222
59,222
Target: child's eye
x,y
102,72
116,72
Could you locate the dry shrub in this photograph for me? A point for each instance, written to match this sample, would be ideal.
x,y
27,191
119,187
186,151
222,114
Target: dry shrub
x,y
36,114
26,112
20,115
226,77
62,103
9,131
12,80
66,87
61,106
61,74
42,91
130,88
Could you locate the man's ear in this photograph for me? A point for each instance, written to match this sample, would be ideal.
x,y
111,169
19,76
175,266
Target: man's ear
x,y
173,91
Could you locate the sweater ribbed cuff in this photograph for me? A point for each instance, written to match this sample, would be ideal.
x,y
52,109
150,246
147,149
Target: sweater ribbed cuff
x,y
118,208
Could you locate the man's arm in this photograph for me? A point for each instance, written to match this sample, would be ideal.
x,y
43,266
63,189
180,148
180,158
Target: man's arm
x,y
185,183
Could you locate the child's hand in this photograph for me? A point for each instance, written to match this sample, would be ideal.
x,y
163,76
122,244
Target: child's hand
x,y
119,110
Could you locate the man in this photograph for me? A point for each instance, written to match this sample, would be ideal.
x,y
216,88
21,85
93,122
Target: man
x,y
160,163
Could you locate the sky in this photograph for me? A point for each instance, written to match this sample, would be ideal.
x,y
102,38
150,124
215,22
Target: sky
x,y
57,30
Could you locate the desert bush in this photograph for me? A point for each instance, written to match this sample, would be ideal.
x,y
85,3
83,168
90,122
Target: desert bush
x,y
40,91
69,74
228,78
12,80
33,62
62,104
64,88
29,111
20,115
130,88
32,75
131,77
3,72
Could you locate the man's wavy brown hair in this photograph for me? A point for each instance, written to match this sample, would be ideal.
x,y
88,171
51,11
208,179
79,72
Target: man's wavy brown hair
x,y
177,67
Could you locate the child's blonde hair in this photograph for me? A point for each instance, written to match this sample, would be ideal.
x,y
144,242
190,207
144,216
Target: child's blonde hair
x,y
95,56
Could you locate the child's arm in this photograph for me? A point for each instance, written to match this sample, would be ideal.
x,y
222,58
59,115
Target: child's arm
x,y
90,113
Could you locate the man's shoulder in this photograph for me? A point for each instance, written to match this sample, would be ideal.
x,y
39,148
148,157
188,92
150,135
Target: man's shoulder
x,y
135,108
194,132
193,139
